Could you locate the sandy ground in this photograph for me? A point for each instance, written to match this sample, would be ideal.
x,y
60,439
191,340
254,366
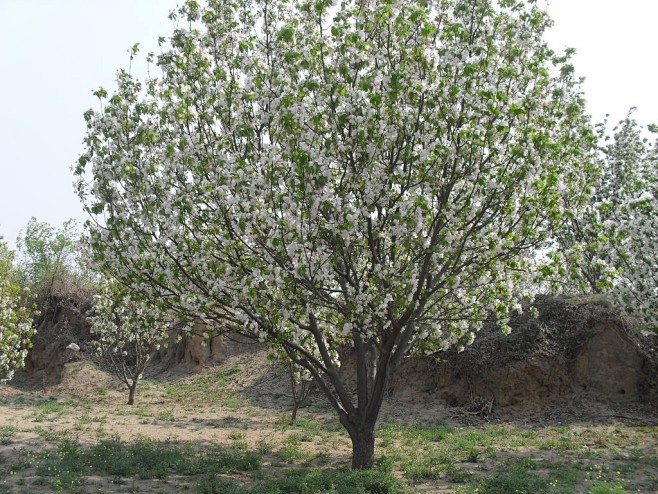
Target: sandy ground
x,y
244,400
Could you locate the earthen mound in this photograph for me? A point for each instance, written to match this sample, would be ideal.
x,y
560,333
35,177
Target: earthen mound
x,y
577,347
61,324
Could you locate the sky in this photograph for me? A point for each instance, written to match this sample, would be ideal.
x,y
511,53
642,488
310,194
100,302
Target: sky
x,y
54,54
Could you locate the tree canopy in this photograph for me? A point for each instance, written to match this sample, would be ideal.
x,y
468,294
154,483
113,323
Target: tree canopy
x,y
329,175
610,246
15,317
51,264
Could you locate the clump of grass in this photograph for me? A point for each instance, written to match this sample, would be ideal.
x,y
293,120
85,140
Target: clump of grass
x,y
166,416
264,446
425,465
457,475
605,488
338,482
518,481
45,410
7,433
67,465
51,435
291,453
233,404
214,385
309,482
238,440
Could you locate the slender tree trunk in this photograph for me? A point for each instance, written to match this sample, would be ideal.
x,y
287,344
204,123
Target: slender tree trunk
x,y
131,392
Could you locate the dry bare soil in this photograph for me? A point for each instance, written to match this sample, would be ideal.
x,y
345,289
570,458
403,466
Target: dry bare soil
x,y
225,429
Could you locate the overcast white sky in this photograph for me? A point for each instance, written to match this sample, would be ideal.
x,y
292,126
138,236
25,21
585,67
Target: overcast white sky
x,y
54,53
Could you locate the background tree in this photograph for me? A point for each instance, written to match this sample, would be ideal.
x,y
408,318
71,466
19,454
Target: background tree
x,y
128,332
15,317
52,266
632,228
319,175
589,243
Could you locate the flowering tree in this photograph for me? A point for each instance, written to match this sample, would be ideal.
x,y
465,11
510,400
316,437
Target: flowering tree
x,y
323,175
591,245
630,207
611,245
16,327
637,260
129,331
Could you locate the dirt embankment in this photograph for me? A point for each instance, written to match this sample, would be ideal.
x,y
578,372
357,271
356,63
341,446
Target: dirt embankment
x,y
577,349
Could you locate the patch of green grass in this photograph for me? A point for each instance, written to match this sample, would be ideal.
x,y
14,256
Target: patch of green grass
x,y
83,421
7,433
50,434
238,441
322,458
309,482
335,482
138,410
292,452
68,465
214,385
425,465
236,435
311,428
46,409
605,488
166,416
457,475
516,481
562,440
264,446
62,466
233,404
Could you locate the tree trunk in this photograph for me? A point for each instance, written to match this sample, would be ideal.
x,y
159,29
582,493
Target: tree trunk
x,y
363,447
131,393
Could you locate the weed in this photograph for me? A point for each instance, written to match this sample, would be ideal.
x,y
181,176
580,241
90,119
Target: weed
x,y
233,404
7,433
166,416
50,434
291,453
517,481
605,488
235,435
457,475
264,446
340,482
425,465
322,458
45,410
